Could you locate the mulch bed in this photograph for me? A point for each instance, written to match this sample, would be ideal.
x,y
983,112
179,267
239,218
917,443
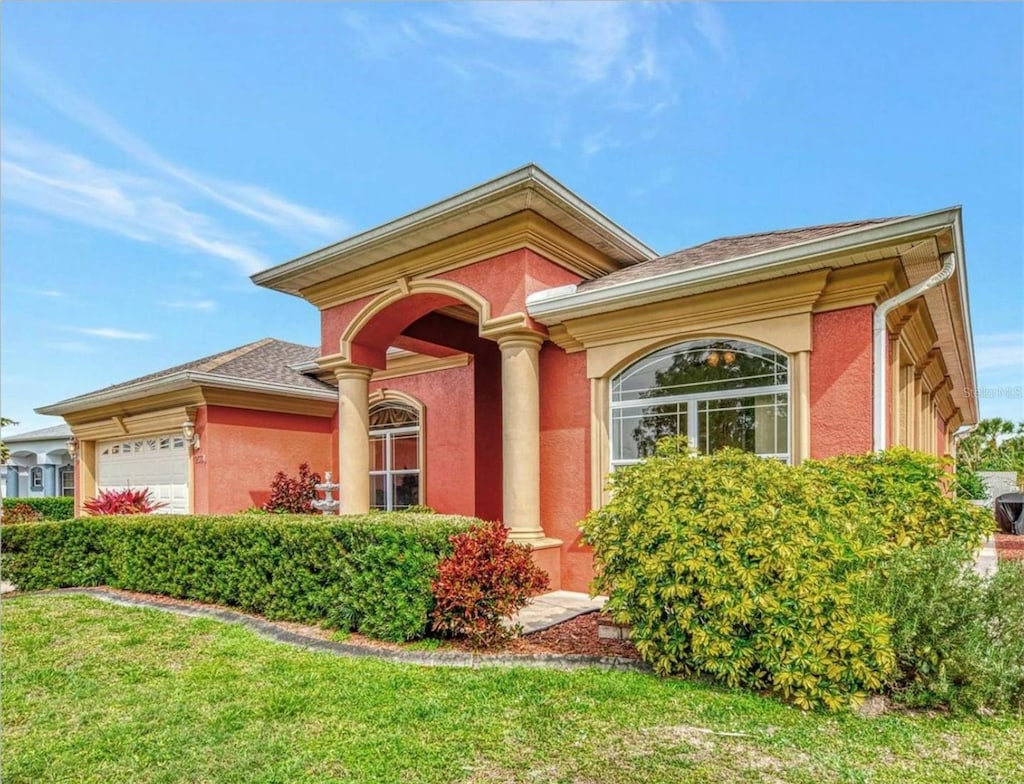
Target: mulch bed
x,y
1010,547
575,636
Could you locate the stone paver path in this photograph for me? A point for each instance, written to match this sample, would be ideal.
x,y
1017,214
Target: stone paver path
x,y
986,561
550,608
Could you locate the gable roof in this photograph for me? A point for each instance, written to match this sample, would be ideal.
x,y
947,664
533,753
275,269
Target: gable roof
x,y
54,432
725,248
267,365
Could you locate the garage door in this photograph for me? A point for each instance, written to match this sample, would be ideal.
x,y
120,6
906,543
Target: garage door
x,y
159,463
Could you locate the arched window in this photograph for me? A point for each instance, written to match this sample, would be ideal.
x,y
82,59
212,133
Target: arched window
x,y
717,393
394,456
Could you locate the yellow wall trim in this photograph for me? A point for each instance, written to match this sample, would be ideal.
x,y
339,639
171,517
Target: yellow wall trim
x,y
415,364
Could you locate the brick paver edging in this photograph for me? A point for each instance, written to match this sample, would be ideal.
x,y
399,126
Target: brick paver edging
x,y
558,661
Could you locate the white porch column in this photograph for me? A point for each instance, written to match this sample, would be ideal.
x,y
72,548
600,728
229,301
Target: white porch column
x,y
353,439
520,423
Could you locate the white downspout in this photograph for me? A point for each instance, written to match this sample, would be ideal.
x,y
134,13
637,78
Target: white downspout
x,y
880,333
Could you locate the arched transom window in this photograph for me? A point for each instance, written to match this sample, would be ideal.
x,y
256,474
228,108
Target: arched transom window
x,y
394,456
717,393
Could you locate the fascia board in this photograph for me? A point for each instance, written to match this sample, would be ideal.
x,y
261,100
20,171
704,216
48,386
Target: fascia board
x,y
552,306
173,383
522,179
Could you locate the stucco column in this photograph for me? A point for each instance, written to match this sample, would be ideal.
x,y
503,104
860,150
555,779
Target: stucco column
x,y
353,439
85,474
12,481
520,428
49,479
800,406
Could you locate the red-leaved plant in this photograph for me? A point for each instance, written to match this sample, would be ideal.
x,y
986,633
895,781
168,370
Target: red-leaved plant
x,y
291,494
123,502
486,579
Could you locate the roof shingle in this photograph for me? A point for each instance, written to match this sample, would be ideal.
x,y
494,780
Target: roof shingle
x,y
266,360
724,249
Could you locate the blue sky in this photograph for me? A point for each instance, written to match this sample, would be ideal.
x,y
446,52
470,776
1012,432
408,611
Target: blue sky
x,y
155,155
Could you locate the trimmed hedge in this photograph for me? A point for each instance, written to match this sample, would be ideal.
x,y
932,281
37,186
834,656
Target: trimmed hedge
x,y
51,508
368,573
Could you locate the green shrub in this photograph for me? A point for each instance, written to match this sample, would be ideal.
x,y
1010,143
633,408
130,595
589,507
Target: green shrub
x,y
958,638
901,496
49,508
747,570
367,573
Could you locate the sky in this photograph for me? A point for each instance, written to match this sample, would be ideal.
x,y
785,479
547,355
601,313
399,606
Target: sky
x,y
155,155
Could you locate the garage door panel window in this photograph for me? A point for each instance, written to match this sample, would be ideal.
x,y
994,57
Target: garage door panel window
x,y
158,463
717,393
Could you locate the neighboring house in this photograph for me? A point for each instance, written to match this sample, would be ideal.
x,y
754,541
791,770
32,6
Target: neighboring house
x,y
39,465
499,352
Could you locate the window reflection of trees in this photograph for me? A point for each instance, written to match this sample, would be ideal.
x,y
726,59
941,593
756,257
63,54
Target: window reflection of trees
x,y
706,383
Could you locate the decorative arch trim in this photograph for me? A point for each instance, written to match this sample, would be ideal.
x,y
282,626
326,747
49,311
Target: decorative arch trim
x,y
380,396
403,289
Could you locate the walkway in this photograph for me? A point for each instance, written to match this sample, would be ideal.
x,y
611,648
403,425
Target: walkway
x,y
986,561
553,608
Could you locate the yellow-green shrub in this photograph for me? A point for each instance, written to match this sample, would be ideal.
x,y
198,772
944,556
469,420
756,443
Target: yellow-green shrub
x,y
745,569
899,495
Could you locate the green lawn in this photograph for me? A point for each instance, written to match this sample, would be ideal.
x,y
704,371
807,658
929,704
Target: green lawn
x,y
98,693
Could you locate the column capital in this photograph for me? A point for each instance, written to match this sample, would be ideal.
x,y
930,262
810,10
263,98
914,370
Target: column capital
x,y
352,371
520,338
342,367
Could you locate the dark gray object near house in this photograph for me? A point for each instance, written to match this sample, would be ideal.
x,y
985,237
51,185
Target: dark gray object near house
x,y
1010,513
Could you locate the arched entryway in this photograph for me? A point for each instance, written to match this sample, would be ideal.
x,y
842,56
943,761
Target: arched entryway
x,y
438,318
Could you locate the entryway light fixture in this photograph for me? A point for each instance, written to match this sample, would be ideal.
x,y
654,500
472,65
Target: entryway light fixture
x,y
72,446
191,436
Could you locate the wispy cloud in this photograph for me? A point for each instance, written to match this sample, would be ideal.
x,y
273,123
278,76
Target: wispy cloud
x,y
52,293
593,143
192,304
708,21
593,38
54,181
71,346
247,200
110,333
608,60
1000,351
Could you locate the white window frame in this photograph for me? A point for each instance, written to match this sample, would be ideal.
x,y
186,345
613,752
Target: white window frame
x,y
691,400
388,434
62,473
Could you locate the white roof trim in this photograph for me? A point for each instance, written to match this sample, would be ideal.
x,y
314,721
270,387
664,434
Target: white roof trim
x,y
526,178
552,306
175,381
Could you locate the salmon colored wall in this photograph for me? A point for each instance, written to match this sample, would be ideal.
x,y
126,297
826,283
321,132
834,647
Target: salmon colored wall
x,y
448,426
841,377
565,459
506,280
334,320
241,450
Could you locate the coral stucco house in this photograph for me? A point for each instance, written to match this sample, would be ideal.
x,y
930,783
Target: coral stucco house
x,y
498,353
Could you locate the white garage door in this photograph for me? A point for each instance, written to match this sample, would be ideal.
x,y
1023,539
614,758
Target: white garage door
x,y
159,463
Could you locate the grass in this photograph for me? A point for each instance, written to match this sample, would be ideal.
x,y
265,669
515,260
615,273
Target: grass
x,y
98,693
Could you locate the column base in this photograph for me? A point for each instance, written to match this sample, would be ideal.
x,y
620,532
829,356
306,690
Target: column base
x,y
547,555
